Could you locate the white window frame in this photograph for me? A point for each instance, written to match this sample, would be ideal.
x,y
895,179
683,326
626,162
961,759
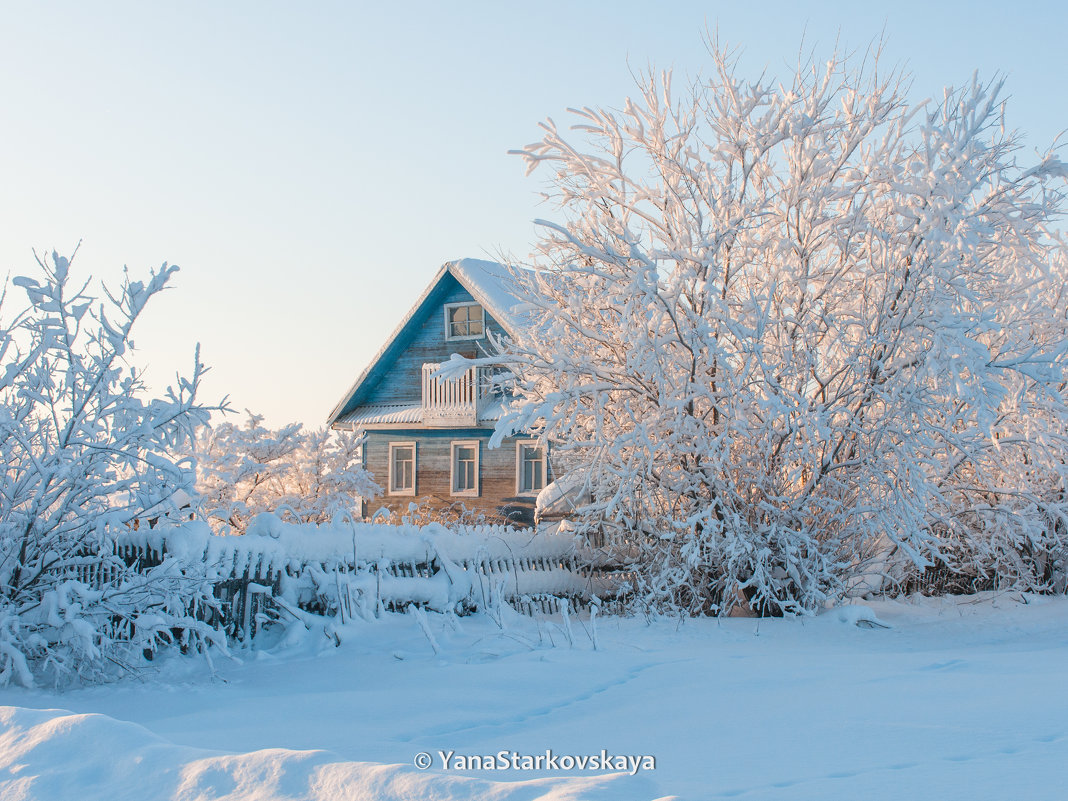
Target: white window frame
x,y
415,468
530,443
453,476
448,324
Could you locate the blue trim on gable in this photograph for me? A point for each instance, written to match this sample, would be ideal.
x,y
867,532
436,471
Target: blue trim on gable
x,y
396,375
380,369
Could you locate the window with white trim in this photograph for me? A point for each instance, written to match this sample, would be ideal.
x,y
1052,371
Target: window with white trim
x,y
531,467
465,468
402,468
464,321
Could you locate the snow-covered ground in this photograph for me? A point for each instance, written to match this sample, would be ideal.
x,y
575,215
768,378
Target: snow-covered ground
x,y
958,698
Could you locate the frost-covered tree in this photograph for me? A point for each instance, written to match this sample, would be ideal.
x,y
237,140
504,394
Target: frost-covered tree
x,y
304,476
796,332
86,453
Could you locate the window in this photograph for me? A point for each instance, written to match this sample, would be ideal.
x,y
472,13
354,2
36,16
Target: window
x,y
402,468
530,468
464,321
465,468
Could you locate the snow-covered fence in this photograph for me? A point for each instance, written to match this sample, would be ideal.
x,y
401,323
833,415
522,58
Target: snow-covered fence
x,y
358,569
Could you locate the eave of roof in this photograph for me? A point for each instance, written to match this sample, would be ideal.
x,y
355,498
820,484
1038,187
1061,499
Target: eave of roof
x,y
396,414
381,414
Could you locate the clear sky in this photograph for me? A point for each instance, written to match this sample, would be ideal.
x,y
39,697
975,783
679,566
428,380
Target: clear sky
x,y
310,165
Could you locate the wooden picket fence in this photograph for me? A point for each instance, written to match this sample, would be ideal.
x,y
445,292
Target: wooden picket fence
x,y
379,568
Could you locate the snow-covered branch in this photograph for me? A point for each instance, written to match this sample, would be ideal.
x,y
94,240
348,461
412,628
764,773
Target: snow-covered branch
x,y
87,456
304,476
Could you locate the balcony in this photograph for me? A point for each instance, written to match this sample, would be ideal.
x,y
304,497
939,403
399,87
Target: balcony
x,y
454,402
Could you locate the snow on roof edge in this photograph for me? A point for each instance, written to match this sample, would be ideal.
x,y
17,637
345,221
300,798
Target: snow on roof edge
x,y
493,285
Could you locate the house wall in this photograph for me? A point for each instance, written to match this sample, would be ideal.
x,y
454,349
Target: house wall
x,y
497,473
425,342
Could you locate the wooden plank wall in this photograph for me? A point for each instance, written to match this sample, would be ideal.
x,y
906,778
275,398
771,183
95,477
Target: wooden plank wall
x,y
497,473
425,342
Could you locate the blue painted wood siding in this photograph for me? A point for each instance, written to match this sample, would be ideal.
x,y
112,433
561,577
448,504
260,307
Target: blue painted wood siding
x,y
424,341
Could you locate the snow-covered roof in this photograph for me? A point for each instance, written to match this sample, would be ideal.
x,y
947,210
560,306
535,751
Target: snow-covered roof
x,y
493,285
382,413
401,414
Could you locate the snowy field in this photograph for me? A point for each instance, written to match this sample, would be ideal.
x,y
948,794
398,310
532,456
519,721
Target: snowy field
x,y
957,699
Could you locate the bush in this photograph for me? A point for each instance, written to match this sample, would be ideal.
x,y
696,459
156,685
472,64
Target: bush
x,y
88,454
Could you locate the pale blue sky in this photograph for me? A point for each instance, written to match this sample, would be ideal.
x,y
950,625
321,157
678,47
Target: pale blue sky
x,y
311,165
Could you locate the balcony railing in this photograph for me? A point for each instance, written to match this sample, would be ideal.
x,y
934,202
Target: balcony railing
x,y
453,401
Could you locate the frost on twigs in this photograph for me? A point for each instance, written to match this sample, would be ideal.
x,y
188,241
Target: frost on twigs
x,y
87,455
793,332
303,476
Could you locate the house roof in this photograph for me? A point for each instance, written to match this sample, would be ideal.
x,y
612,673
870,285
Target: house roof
x,y
493,285
382,413
403,413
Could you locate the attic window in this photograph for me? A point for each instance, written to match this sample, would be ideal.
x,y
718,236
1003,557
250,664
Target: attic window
x,y
464,321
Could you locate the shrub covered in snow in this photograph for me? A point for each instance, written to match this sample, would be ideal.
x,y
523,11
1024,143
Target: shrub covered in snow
x,y
794,333
304,476
87,454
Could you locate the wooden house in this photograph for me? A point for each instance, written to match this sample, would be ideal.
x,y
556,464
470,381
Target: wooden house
x,y
428,437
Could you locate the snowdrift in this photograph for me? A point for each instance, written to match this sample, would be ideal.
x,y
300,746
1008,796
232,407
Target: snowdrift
x,y
54,755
